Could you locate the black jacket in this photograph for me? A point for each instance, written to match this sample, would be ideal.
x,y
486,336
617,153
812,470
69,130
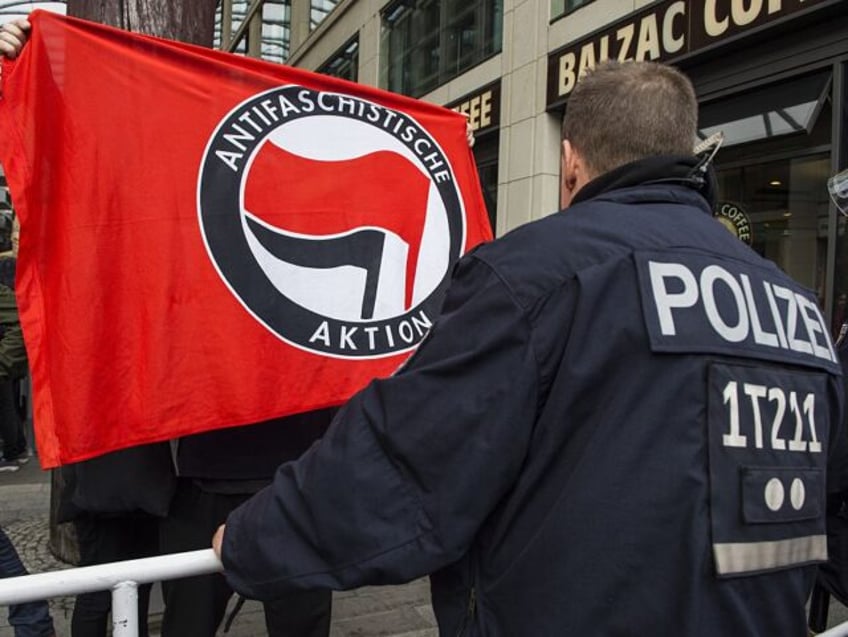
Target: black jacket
x,y
142,479
13,356
619,425
244,459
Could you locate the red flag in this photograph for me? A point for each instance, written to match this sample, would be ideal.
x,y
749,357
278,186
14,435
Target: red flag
x,y
209,240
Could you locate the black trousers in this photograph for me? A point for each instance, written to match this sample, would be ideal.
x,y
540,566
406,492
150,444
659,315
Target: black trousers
x,y
31,619
109,539
195,606
11,424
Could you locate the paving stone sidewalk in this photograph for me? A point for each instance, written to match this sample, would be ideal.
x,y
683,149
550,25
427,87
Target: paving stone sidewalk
x,y
390,611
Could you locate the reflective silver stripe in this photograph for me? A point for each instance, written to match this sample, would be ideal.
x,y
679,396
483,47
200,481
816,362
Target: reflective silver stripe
x,y
759,556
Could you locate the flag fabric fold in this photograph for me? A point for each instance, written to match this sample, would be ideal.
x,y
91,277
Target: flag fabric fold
x,y
209,240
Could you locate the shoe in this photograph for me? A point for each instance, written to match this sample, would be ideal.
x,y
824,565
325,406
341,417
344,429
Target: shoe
x,y
23,458
9,465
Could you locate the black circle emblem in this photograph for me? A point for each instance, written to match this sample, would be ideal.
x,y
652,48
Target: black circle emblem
x,y
349,293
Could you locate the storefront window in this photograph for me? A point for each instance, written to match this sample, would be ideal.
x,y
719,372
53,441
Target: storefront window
x,y
561,7
486,157
773,171
788,212
425,43
482,108
344,63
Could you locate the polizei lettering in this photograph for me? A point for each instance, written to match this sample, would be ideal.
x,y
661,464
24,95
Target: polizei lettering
x,y
705,304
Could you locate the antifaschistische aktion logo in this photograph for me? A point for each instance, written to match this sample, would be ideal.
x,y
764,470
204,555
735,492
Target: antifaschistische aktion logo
x,y
333,220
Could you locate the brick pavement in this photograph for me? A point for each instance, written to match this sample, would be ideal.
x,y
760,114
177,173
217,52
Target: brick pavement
x,y
390,611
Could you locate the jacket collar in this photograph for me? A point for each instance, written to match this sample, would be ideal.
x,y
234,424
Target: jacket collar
x,y
665,170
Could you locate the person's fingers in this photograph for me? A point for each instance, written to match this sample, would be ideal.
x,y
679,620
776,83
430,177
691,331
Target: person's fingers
x,y
9,45
469,131
218,540
20,26
13,36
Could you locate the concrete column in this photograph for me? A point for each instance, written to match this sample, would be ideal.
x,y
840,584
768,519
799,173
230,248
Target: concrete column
x,y
300,12
226,24
254,35
528,180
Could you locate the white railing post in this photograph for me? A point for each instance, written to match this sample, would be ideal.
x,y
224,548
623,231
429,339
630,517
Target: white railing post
x,y
125,609
123,578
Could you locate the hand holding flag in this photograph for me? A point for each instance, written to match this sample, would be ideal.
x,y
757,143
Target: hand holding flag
x,y
13,36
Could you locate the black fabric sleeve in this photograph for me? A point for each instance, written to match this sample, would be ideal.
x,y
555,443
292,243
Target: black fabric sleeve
x,y
410,467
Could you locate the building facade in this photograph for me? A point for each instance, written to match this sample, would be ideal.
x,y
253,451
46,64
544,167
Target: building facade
x,y
772,75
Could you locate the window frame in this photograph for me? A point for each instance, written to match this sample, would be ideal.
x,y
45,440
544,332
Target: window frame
x,y
342,53
423,42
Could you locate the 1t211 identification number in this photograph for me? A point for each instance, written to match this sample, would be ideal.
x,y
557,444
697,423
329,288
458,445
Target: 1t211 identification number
x,y
803,414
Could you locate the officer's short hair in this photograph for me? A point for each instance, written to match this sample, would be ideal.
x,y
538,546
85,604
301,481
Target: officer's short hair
x,y
622,112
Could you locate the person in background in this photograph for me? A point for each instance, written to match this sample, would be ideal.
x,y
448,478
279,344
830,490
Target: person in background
x,y
12,36
126,504
218,471
621,423
13,356
27,620
116,502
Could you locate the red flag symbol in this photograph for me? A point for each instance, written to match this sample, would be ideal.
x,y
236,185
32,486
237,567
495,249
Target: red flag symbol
x,y
322,198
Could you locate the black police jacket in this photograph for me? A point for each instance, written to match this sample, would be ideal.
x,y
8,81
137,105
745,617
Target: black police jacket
x,y
619,425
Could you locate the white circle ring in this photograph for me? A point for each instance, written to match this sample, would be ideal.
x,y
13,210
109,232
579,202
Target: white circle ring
x,y
774,494
797,494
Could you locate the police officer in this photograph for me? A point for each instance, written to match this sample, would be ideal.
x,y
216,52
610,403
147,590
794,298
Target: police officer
x,y
620,424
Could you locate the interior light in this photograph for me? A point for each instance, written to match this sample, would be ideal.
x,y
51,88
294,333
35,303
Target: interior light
x,y
775,182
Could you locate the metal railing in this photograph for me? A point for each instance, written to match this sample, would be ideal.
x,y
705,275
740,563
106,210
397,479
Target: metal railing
x,y
837,631
122,578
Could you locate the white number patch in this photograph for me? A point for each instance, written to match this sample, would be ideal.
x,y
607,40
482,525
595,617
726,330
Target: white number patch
x,y
788,410
768,431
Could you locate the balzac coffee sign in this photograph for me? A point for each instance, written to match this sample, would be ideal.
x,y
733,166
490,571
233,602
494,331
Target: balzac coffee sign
x,y
663,31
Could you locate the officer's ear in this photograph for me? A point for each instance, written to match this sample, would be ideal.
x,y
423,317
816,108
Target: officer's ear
x,y
568,174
